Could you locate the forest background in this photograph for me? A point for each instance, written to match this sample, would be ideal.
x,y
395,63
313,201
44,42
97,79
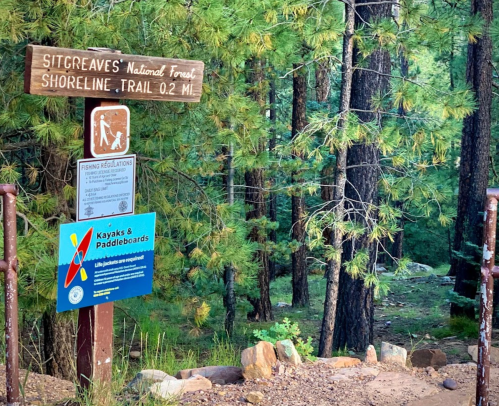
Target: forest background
x,y
331,137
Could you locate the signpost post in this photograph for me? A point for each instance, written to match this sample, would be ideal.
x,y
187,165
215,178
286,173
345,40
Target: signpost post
x,y
102,76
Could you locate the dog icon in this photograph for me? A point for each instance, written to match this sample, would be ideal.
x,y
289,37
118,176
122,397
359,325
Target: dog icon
x,y
117,141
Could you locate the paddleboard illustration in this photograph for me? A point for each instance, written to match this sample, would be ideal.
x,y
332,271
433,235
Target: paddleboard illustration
x,y
78,258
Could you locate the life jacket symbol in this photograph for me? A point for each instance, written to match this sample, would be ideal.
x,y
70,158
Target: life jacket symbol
x,y
78,258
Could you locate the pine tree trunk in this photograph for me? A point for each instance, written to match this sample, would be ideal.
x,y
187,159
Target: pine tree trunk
x,y
299,257
322,82
273,195
335,235
474,166
58,340
229,274
255,198
355,312
58,345
397,249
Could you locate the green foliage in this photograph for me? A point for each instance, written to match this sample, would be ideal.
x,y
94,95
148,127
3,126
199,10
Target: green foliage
x,y
286,331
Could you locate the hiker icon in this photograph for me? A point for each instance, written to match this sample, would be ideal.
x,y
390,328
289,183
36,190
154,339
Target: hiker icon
x,y
103,126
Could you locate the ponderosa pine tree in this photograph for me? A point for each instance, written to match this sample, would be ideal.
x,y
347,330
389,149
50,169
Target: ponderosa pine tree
x,y
335,233
355,309
255,199
298,208
474,165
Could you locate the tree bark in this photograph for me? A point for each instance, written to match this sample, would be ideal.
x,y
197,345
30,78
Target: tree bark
x,y
229,274
298,208
355,312
335,235
255,198
322,82
474,165
58,345
273,195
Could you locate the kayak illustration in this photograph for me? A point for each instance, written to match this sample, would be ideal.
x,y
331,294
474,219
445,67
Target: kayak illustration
x,y
78,258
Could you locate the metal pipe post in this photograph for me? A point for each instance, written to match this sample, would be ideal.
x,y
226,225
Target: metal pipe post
x,y
486,298
9,193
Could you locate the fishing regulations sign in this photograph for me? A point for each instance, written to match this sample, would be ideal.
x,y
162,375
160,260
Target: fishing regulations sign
x,y
53,71
105,260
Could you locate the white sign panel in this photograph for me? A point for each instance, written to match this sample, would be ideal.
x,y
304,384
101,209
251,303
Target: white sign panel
x,y
106,187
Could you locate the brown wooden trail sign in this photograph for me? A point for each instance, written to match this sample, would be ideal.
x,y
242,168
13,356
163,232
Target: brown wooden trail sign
x,y
52,71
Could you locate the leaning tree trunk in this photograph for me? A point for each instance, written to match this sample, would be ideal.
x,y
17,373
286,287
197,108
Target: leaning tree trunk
x,y
355,312
58,340
299,257
255,199
474,166
335,234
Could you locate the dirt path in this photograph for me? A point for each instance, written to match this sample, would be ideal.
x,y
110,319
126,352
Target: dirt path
x,y
319,385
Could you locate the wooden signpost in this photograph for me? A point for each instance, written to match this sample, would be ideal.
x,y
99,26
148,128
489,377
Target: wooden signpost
x,y
102,76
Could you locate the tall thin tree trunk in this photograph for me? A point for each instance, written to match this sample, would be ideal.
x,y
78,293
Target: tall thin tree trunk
x,y
355,312
397,249
474,165
335,234
273,195
299,257
229,274
255,198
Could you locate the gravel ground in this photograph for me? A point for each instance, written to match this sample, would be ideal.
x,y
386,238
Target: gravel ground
x,y
314,385
38,389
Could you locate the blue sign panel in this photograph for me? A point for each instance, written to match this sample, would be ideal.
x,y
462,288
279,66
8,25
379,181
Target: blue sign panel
x,y
105,260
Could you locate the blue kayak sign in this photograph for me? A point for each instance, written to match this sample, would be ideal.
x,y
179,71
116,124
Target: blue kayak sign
x,y
105,260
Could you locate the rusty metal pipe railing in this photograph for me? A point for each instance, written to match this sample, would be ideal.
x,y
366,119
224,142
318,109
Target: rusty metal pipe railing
x,y
488,272
9,266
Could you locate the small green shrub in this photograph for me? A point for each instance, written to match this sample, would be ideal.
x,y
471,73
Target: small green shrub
x,y
287,331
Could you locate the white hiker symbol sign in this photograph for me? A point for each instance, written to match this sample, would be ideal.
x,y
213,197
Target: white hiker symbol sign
x,y
110,131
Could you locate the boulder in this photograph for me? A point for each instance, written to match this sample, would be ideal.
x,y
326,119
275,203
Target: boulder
x,y
380,268
428,358
286,352
340,362
392,354
494,353
450,384
145,378
221,375
171,389
415,267
258,361
254,397
371,356
135,354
